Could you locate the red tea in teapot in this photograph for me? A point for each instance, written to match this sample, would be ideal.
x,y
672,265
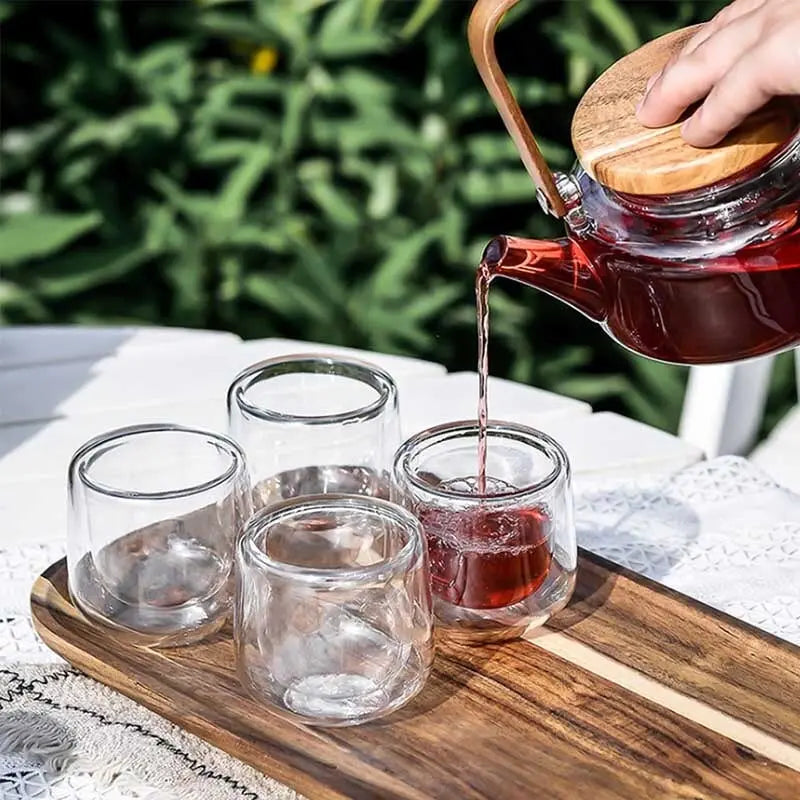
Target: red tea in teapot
x,y
737,306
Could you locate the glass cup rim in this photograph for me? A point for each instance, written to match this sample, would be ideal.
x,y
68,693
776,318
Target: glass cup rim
x,y
313,363
345,577
83,458
507,430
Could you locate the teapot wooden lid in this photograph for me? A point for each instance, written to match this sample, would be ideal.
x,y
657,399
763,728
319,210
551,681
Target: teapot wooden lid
x,y
619,152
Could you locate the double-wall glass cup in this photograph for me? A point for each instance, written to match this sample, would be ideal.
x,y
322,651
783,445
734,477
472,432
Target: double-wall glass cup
x,y
315,425
504,560
333,619
154,515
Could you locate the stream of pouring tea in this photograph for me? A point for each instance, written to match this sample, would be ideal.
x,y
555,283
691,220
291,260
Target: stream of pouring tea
x,y
482,280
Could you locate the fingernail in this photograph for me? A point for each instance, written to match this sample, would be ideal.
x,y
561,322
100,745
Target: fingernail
x,y
650,84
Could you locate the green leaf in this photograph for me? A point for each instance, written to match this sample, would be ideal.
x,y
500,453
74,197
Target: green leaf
x,y
517,12
26,142
339,36
85,269
196,206
309,301
15,297
433,302
160,58
187,275
223,151
298,98
79,171
390,275
566,362
535,92
454,223
233,25
27,236
575,43
501,186
384,327
224,92
593,388
659,379
242,182
492,148
156,119
384,195
334,203
288,21
275,240
354,136
315,268
422,13
617,22
340,20
266,291
162,231
579,70
363,89
165,71
370,11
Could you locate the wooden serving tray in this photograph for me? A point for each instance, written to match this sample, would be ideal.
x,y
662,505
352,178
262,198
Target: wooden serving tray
x,y
632,692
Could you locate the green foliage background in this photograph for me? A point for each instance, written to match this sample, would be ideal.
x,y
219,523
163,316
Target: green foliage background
x,y
323,170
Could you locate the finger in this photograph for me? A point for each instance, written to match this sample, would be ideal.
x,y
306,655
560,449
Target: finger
x,y
724,17
692,76
764,72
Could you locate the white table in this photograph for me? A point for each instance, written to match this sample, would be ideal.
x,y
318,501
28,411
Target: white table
x,y
59,387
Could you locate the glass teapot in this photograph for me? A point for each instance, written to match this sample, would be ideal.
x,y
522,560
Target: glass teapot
x,y
684,255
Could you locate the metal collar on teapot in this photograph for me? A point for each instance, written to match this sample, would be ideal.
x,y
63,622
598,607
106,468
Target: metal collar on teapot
x,y
613,147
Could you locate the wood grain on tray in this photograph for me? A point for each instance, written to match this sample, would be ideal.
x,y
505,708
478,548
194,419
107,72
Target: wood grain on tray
x,y
633,691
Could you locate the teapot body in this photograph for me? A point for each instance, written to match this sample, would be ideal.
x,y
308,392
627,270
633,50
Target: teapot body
x,y
728,309
708,277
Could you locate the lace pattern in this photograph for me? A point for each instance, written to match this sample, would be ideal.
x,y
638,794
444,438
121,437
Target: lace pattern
x,y
721,532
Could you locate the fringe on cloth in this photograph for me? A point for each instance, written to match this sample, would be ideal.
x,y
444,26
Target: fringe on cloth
x,y
45,745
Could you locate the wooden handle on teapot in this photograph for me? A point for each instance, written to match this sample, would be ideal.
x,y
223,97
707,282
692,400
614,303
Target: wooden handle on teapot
x,y
483,22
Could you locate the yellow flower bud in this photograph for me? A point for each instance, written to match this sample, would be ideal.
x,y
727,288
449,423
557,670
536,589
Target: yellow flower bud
x,y
263,61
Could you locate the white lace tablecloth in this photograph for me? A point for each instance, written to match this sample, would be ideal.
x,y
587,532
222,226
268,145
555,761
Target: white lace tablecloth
x,y
721,532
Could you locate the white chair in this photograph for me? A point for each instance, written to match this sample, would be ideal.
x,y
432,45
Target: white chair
x,y
722,413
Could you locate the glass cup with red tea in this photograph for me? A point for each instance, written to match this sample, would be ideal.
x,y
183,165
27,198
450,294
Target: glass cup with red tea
x,y
501,559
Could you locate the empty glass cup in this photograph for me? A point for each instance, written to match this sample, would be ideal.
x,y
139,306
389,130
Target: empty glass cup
x,y
154,515
315,425
333,617
500,561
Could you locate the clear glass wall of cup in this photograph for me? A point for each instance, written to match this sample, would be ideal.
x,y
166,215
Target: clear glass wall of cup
x,y
154,515
502,561
315,425
333,615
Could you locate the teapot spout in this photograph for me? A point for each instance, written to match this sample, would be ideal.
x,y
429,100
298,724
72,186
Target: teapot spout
x,y
560,268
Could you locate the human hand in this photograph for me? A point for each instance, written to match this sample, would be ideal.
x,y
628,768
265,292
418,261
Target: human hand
x,y
746,55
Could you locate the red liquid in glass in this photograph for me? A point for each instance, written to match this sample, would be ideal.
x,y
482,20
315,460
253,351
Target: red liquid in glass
x,y
724,309
485,559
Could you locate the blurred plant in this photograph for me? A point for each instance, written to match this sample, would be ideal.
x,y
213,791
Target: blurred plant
x,y
313,168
